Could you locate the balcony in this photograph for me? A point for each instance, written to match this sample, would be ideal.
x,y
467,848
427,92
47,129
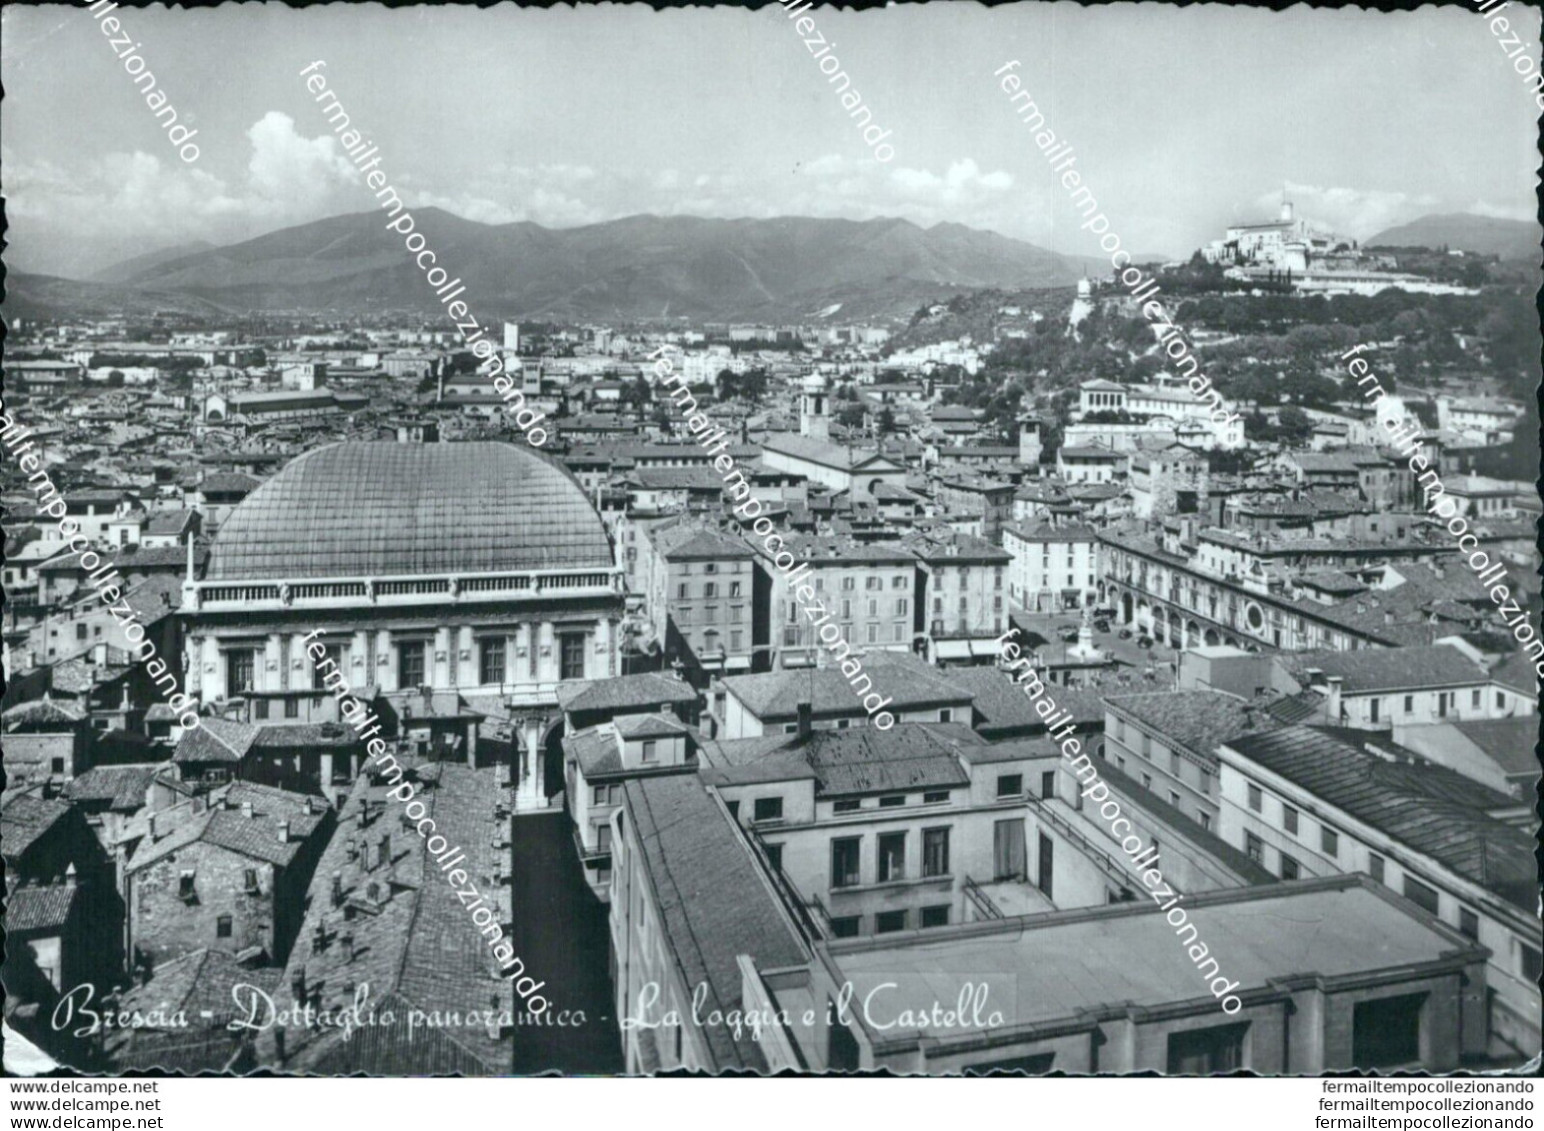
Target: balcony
x,y
329,593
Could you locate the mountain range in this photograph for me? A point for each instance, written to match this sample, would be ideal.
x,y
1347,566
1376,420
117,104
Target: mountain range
x,y
634,269
641,267
1488,235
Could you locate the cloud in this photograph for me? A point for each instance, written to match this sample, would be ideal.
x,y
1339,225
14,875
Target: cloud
x,y
1357,213
74,221
1503,211
285,165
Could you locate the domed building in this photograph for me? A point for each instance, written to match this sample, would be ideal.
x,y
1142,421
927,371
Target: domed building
x,y
478,569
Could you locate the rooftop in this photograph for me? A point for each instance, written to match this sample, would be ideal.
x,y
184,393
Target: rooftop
x,y
1371,670
362,509
1430,808
714,902
1198,720
911,683
1045,969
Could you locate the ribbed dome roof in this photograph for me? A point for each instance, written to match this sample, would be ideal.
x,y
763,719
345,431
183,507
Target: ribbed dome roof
x,y
361,509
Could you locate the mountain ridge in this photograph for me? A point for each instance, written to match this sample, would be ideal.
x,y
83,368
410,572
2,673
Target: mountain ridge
x,y
644,266
1467,231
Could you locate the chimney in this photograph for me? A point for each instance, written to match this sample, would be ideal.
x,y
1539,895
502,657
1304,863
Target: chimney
x,y
152,828
385,857
337,889
348,945
298,985
806,718
284,827
1333,704
69,876
246,809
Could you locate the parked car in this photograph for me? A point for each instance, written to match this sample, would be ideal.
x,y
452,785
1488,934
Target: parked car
x,y
1101,626
1068,633
1144,641
1125,634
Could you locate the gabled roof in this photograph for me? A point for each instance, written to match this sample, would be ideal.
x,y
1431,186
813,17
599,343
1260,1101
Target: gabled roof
x,y
645,689
1200,721
216,740
1371,670
39,907
693,542
122,787
255,836
909,682
24,819
651,725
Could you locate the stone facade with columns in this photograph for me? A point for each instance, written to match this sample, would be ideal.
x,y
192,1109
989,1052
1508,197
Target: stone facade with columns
x,y
515,588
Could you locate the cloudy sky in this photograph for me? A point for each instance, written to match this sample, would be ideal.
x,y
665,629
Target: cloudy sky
x,y
1182,119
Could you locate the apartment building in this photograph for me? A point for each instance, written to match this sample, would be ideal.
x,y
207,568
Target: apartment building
x,y
1321,801
1168,741
1053,568
1378,688
962,595
868,588
599,759
699,584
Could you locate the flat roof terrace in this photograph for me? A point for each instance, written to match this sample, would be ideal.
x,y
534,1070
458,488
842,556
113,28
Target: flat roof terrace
x,y
1054,969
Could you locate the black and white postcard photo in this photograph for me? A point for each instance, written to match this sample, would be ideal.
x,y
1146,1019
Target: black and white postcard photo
x,y
770,541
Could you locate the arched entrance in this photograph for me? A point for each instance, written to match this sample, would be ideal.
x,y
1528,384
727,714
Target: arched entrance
x,y
552,761
1212,638
1125,608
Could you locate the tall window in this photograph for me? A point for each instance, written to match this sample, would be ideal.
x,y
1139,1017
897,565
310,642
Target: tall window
x,y
892,856
1254,848
935,852
491,661
572,656
1201,1052
240,670
1255,798
1421,895
410,663
844,861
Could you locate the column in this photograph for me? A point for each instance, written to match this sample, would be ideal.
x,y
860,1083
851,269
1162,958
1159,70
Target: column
x,y
358,673
438,647
385,676
466,657
270,677
546,665
528,791
193,667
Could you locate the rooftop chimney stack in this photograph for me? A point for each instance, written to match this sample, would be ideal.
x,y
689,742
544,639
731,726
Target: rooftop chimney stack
x,y
806,712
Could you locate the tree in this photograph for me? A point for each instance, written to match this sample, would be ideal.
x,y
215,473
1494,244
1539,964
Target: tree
x,y
850,416
1293,426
